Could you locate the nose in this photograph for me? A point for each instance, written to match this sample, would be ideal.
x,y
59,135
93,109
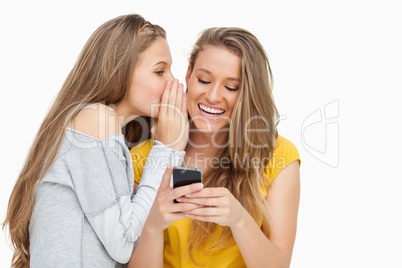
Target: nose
x,y
213,94
169,76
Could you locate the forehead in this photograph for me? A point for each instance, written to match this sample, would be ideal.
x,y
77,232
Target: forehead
x,y
156,52
218,61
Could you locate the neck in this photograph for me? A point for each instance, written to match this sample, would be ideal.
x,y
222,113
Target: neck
x,y
125,114
202,148
206,141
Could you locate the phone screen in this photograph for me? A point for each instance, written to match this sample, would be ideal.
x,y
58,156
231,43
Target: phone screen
x,y
184,176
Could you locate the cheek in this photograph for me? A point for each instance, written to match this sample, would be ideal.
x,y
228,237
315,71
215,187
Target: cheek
x,y
154,91
232,102
191,102
193,93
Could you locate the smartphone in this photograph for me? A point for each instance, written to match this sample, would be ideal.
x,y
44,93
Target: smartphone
x,y
186,175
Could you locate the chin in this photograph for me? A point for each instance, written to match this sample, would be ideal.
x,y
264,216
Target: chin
x,y
211,128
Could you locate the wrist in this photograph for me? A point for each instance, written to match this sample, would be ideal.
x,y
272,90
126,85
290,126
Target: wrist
x,y
176,155
242,223
152,231
177,147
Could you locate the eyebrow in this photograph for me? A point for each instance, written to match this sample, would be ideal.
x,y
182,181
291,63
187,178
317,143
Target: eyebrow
x,y
203,70
208,72
161,62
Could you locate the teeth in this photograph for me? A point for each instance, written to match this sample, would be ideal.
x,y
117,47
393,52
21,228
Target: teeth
x,y
211,110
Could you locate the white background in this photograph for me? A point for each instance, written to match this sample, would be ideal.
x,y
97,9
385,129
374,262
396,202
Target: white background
x,y
345,55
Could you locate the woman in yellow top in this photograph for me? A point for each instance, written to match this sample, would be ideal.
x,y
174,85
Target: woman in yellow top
x,y
249,203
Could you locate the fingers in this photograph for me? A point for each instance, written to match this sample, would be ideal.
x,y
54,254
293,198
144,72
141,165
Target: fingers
x,y
210,192
165,97
184,106
172,97
176,99
186,190
165,183
215,219
205,211
184,207
179,96
168,194
202,201
172,125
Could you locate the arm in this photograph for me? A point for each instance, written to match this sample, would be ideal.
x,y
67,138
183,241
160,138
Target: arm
x,y
283,202
256,249
163,212
171,128
106,196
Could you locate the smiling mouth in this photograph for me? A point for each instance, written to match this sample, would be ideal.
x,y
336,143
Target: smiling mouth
x,y
210,111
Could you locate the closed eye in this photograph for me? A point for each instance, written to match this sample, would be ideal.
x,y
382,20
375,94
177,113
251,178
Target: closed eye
x,y
203,81
232,89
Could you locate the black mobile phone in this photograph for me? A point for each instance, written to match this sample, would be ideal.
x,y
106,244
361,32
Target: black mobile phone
x,y
186,175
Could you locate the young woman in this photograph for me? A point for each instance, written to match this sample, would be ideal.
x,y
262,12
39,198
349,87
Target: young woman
x,y
249,203
73,203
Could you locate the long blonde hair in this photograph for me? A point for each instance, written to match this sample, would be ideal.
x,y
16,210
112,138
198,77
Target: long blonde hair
x,y
102,73
254,108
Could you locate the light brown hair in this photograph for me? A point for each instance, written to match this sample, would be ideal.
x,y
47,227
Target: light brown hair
x,y
254,108
102,73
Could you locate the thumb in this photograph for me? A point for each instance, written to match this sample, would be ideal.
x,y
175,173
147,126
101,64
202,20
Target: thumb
x,y
165,183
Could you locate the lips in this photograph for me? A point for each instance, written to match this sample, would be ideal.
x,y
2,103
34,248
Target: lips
x,y
209,111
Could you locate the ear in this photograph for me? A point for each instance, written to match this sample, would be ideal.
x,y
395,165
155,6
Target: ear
x,y
188,74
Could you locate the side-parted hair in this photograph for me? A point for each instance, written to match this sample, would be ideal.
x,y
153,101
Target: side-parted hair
x,y
255,109
103,74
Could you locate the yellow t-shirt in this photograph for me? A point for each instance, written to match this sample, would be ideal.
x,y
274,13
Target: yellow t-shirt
x,y
176,236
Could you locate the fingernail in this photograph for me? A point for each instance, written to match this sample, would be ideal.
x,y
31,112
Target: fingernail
x,y
179,199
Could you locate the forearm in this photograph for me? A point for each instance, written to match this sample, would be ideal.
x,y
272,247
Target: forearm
x,y
149,242
256,249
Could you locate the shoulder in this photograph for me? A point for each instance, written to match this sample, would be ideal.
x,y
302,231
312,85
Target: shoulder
x,y
96,120
139,155
285,149
284,153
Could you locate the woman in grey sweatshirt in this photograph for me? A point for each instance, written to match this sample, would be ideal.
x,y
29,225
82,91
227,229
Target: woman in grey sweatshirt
x,y
73,204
